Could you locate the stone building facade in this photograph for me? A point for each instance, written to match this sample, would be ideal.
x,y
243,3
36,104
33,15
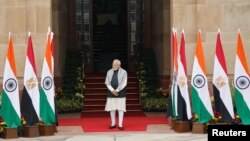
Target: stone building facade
x,y
22,16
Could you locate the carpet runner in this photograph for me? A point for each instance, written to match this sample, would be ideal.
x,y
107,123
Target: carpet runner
x,y
101,124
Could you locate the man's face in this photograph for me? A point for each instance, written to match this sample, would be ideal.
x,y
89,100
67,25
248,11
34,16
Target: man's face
x,y
115,65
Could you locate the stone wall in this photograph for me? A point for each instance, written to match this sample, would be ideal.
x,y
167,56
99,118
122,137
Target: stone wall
x,y
22,16
209,15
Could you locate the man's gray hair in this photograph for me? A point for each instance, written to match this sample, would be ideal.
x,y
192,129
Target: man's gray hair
x,y
117,61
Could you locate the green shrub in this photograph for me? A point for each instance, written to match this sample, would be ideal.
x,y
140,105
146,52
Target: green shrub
x,y
148,73
70,96
232,89
72,73
154,104
153,97
66,104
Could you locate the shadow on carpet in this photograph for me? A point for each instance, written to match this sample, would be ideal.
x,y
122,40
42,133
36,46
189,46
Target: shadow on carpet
x,y
101,124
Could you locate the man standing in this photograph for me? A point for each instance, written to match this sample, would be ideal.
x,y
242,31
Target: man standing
x,y
116,81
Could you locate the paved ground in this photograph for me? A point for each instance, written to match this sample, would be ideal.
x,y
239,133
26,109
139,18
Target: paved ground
x,y
154,133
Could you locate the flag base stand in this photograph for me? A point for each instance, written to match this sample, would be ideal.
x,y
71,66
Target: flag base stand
x,y
199,128
31,131
182,126
55,128
218,123
172,124
46,130
10,133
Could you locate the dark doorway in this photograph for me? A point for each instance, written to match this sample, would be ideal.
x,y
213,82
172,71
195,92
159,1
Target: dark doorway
x,y
110,33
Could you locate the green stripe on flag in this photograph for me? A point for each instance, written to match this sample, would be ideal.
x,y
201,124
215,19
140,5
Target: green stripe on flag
x,y
173,102
9,114
242,108
199,107
46,112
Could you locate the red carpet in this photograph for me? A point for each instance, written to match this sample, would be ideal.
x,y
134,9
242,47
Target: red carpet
x,y
101,124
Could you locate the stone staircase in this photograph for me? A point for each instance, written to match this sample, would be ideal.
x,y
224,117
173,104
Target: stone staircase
x,y
109,43
95,95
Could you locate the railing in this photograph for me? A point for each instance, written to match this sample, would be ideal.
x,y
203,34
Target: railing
x,y
137,62
85,56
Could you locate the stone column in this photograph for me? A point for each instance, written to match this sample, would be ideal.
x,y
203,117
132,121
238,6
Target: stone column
x,y
147,23
166,46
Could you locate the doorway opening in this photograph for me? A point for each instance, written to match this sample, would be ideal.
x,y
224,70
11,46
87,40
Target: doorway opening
x,y
110,33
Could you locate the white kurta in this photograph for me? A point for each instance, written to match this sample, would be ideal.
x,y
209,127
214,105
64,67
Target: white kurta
x,y
116,104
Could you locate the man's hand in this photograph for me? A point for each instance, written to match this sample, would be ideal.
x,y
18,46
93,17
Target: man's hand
x,y
115,93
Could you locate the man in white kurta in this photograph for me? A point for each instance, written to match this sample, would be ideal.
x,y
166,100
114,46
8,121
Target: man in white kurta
x,y
116,81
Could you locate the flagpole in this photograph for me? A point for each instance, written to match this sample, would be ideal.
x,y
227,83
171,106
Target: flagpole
x,y
49,29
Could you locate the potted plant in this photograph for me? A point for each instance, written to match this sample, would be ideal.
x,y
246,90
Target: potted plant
x,y
2,125
237,120
6,132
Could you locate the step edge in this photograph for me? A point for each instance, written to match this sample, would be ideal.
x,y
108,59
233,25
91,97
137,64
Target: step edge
x,y
106,93
106,99
106,111
105,104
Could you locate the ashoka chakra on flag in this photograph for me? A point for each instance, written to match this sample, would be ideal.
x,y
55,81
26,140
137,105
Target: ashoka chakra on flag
x,y
47,83
10,85
242,82
199,81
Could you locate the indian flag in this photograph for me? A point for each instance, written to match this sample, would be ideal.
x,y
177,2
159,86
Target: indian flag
x,y
47,92
10,94
184,108
30,98
242,82
174,75
201,102
222,94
